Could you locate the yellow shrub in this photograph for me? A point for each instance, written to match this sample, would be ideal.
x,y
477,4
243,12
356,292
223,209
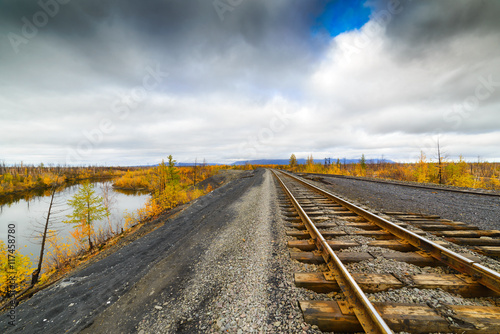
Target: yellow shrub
x,y
15,269
59,253
495,182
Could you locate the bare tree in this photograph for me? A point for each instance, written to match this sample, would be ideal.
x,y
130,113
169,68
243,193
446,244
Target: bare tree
x,y
109,200
381,162
195,171
203,169
440,157
49,221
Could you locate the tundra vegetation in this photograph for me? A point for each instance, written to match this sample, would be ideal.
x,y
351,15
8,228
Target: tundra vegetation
x,y
168,186
459,173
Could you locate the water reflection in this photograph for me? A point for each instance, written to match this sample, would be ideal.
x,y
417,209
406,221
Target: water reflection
x,y
25,196
28,211
130,192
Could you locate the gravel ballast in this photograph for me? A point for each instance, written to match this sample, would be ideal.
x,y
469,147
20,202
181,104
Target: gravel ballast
x,y
482,211
437,299
243,283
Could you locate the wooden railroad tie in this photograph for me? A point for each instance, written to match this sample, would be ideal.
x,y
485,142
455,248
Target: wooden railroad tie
x,y
371,283
417,259
336,316
381,235
485,242
396,245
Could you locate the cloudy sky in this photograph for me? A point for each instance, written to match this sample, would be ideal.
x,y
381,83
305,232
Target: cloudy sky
x,y
125,82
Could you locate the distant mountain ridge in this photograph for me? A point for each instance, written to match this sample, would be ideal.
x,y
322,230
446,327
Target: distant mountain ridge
x,y
303,161
191,164
282,162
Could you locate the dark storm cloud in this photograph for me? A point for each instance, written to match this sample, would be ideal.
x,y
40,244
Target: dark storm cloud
x,y
433,24
186,37
226,71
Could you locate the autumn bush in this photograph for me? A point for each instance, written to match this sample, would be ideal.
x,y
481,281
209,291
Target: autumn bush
x,y
15,270
170,186
60,251
139,179
58,255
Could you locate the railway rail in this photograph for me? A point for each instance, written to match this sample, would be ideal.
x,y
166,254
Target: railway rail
x,y
407,184
325,227
485,242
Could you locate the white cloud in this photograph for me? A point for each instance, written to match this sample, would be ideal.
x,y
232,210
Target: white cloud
x,y
253,86
378,92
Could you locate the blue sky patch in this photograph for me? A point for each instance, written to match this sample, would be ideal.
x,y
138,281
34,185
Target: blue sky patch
x,y
341,16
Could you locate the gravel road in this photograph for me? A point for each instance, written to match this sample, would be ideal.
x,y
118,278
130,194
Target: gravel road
x,y
220,265
482,211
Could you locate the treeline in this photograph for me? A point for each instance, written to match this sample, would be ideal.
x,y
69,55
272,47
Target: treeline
x,y
169,186
147,178
28,177
485,175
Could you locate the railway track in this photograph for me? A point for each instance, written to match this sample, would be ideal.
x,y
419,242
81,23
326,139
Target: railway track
x,y
344,240
485,242
482,192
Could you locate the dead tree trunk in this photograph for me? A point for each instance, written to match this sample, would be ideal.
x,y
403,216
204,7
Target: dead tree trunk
x,y
36,273
440,164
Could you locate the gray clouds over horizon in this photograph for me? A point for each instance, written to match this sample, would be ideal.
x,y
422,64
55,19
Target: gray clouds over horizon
x,y
265,81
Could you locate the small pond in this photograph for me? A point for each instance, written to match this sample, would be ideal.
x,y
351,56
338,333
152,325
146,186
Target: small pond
x,y
29,211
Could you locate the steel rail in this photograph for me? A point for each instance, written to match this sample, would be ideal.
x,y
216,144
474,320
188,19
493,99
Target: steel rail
x,y
369,318
404,184
482,274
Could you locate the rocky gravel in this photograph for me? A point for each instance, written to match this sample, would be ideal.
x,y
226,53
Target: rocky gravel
x,y
244,281
437,299
479,210
378,198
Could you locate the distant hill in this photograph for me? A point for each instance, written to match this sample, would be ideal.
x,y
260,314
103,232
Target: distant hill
x,y
262,162
191,164
185,164
303,161
276,162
